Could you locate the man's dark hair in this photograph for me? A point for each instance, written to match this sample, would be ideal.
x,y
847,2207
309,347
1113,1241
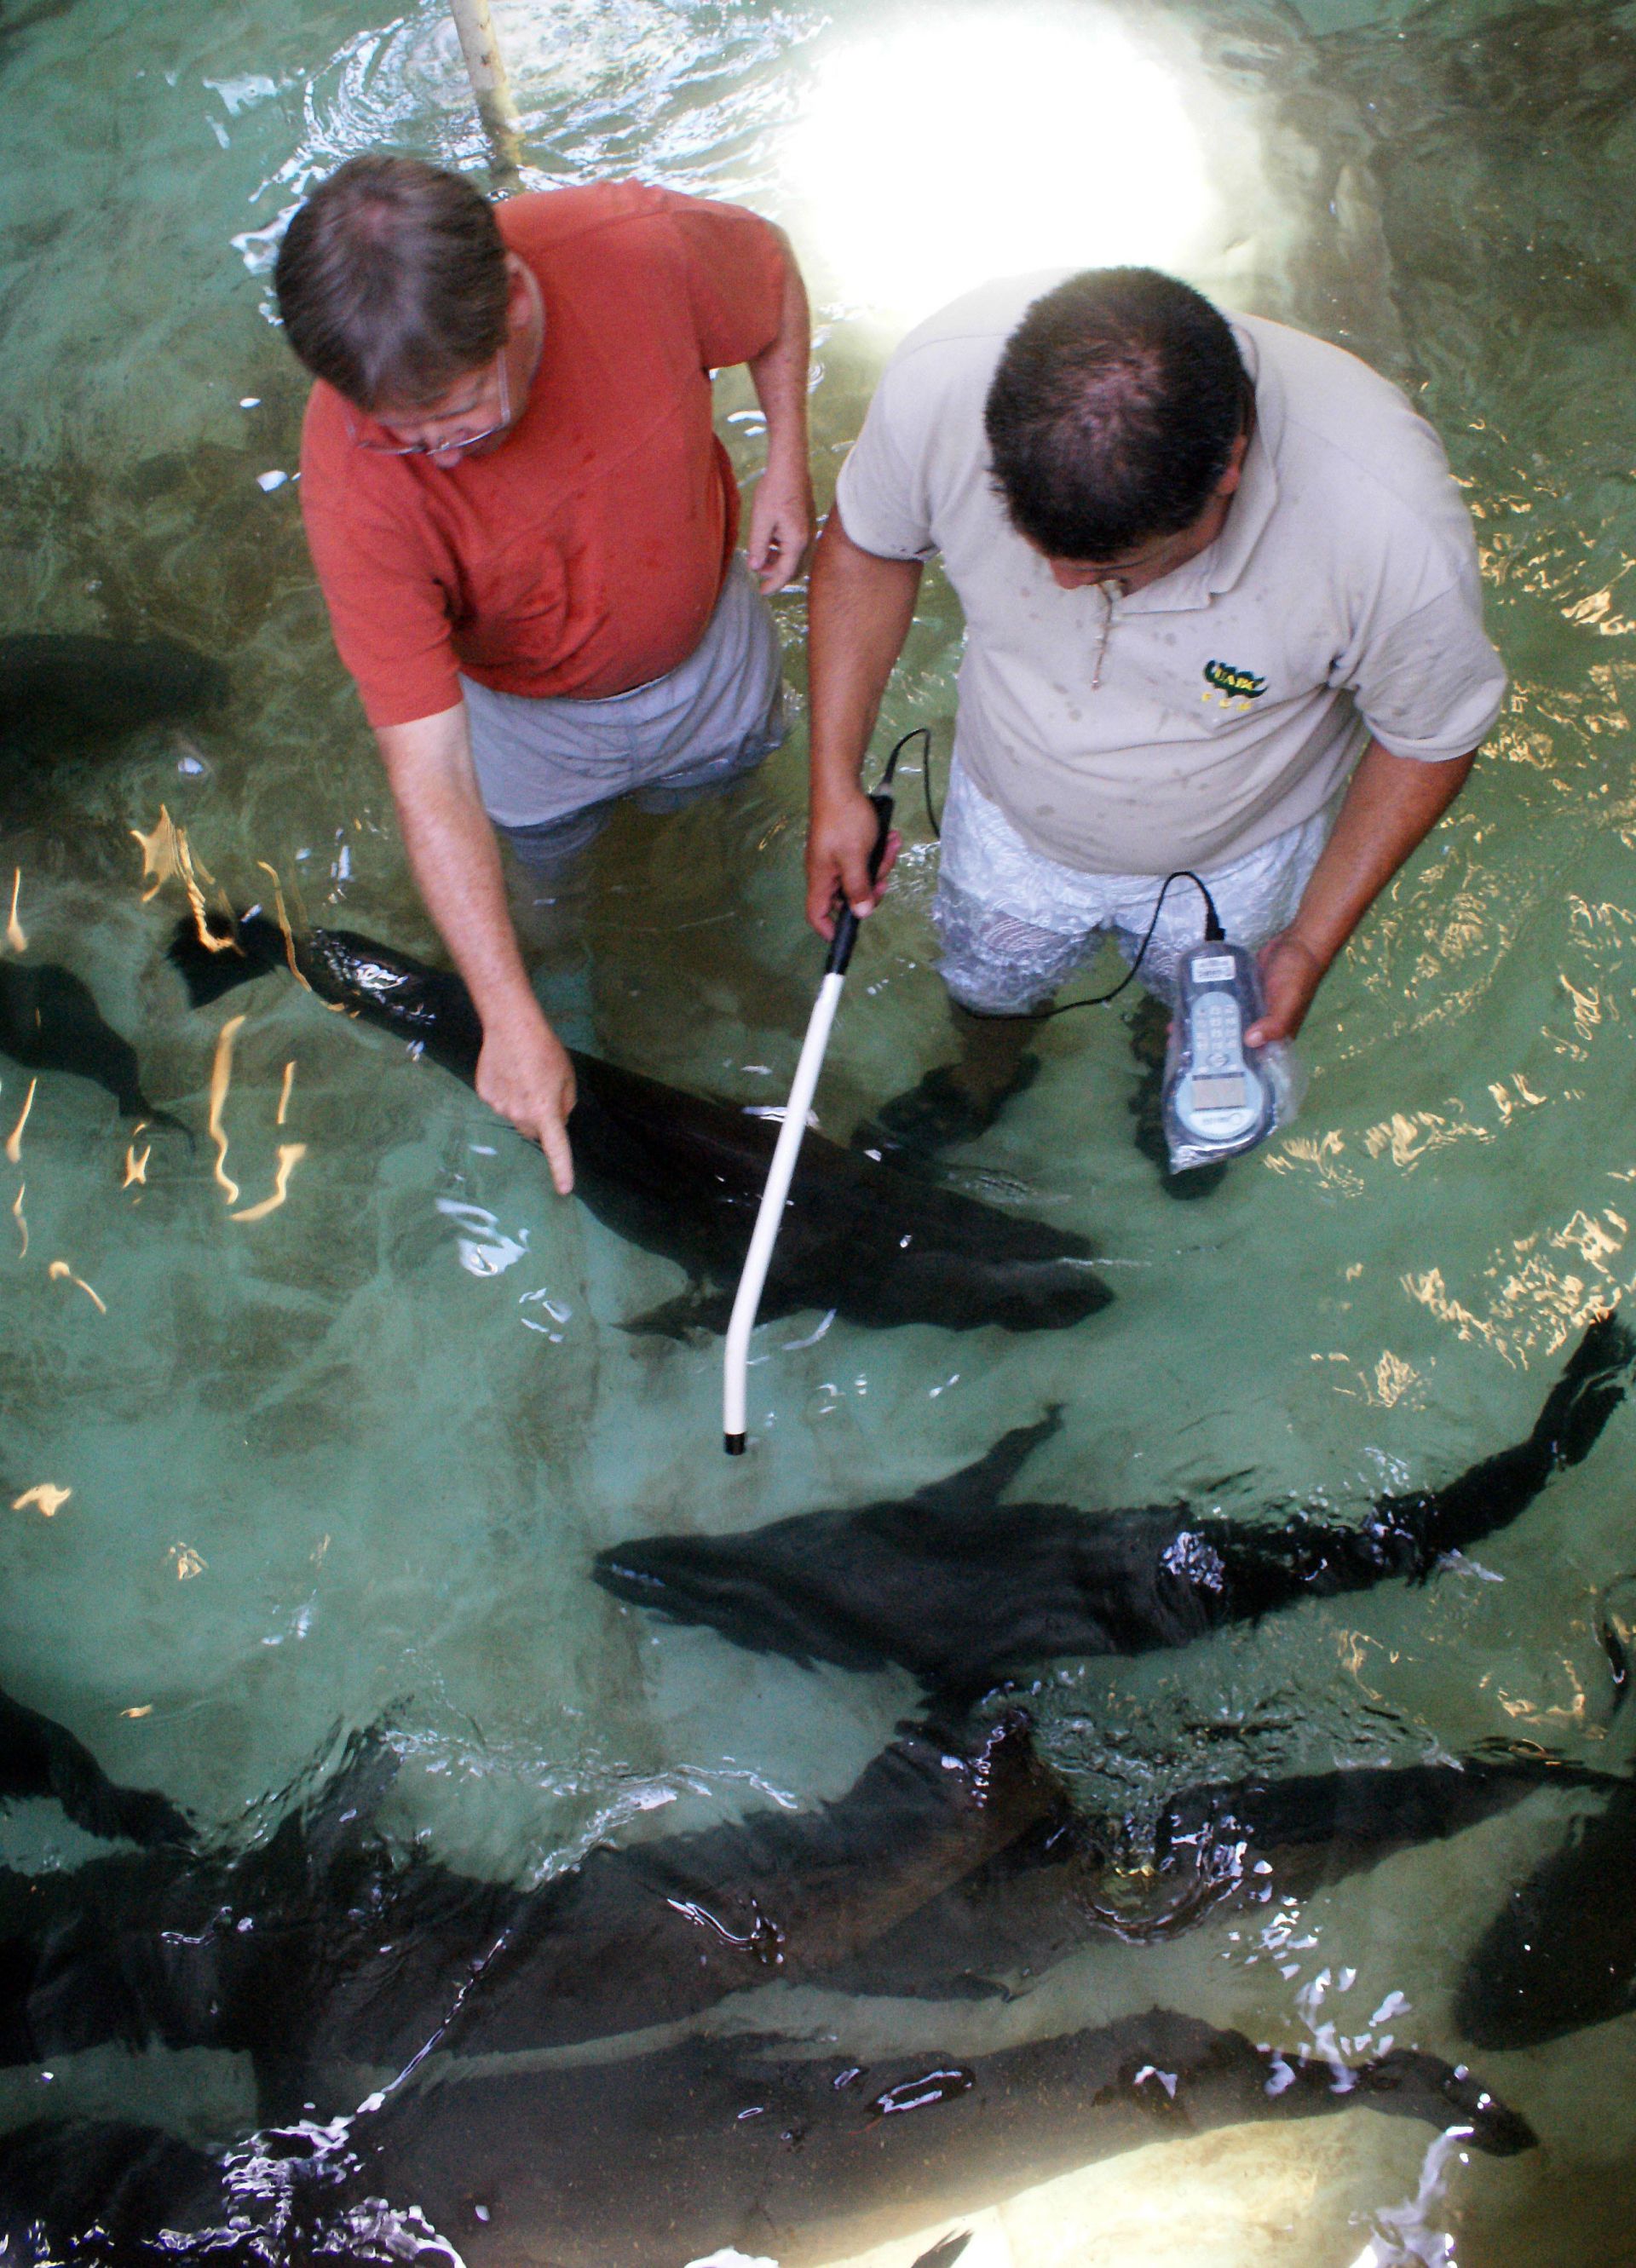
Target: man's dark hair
x,y
391,281
1113,412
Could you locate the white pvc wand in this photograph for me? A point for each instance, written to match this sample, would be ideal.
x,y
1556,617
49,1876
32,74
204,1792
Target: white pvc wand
x,y
788,1149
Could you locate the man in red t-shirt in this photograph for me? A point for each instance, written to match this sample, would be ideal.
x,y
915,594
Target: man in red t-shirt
x,y
524,526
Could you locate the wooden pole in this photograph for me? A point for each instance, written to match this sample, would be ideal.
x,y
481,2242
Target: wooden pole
x,y
490,84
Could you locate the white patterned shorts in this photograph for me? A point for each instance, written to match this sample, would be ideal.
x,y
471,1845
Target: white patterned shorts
x,y
1014,924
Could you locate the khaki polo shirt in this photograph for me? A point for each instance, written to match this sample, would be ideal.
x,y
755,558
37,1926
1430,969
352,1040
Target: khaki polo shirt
x,y
1188,722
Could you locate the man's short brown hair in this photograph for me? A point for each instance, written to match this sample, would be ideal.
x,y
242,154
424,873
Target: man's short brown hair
x,y
392,283
1112,413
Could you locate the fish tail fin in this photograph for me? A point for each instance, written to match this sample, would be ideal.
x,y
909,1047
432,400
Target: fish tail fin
x,y
1588,1392
218,955
1488,1497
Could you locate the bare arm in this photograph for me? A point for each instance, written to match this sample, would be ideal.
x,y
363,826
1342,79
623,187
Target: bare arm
x,y
1391,807
524,1070
861,607
781,510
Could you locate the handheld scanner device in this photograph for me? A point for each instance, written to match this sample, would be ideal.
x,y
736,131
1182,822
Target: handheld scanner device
x,y
1217,1098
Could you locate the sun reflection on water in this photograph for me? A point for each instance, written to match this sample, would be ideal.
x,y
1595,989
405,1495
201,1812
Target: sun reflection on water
x,y
948,149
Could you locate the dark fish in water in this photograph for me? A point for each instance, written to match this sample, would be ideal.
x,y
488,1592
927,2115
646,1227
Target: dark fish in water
x,y
948,1864
570,2163
1561,1951
681,1175
964,1591
407,2018
38,1756
1074,1879
319,1952
50,1021
61,690
649,2161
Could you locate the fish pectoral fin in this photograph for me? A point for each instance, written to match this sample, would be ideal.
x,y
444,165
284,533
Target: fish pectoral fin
x,y
690,1312
977,1485
169,1120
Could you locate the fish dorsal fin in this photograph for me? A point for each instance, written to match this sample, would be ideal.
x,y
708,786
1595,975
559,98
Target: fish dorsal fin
x,y
946,2250
978,1486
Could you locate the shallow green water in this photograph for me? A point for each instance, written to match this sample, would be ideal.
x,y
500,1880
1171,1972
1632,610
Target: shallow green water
x,y
350,1461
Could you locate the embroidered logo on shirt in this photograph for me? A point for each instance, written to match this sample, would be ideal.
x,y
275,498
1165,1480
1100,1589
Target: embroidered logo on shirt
x,y
1237,684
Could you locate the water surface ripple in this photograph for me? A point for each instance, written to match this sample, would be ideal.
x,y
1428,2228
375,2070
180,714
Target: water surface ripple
x,y
305,1482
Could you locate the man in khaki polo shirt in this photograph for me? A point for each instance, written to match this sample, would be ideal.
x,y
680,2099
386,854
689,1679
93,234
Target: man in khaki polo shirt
x,y
1222,612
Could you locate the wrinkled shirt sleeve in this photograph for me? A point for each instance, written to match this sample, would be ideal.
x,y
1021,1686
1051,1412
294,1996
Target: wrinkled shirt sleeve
x,y
1429,684
884,492
734,265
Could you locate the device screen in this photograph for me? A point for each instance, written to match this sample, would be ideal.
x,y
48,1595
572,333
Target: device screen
x,y
1223,1092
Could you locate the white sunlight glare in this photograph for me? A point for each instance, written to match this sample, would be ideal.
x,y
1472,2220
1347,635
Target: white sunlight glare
x,y
951,148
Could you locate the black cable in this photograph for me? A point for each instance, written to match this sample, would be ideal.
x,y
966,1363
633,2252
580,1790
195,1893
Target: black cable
x,y
925,781
1213,932
919,732
1213,935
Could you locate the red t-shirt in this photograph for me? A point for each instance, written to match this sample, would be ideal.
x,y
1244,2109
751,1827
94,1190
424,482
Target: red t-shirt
x,y
587,554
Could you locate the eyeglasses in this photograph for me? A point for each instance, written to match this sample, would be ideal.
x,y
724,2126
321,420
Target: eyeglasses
x,y
440,448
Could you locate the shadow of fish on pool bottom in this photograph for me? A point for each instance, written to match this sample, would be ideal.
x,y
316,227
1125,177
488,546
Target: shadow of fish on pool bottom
x,y
49,1021
1518,1991
966,1593
417,2018
668,2158
681,1174
60,691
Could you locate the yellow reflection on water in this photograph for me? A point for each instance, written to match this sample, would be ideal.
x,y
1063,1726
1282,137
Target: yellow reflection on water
x,y
1388,1383
290,1156
954,146
221,1078
45,1498
284,923
14,1139
165,853
159,859
14,933
61,1272
1534,1306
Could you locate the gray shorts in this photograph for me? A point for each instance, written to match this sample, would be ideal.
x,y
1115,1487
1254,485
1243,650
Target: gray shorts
x,y
1015,924
552,770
